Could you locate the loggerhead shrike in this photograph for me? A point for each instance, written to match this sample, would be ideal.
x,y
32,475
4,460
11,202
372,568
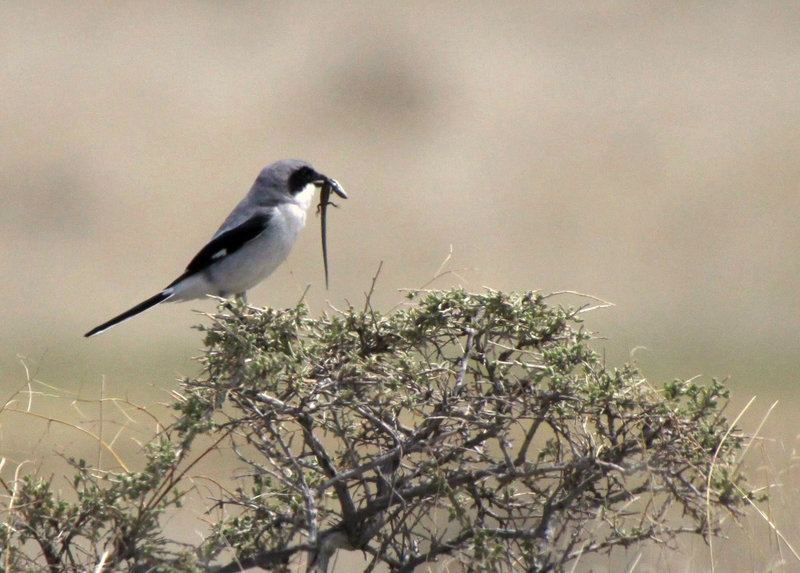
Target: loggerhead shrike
x,y
252,241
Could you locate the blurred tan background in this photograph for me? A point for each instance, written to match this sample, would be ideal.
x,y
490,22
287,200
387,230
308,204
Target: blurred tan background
x,y
645,153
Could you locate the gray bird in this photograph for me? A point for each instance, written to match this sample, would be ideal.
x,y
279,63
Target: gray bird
x,y
252,241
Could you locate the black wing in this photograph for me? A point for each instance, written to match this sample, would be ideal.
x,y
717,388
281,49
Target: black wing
x,y
225,244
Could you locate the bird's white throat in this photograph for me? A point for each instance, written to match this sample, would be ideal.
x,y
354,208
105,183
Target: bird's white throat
x,y
305,196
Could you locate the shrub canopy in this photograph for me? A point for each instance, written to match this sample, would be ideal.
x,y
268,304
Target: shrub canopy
x,y
480,427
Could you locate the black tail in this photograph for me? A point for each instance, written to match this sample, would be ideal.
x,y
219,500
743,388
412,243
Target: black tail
x,y
141,307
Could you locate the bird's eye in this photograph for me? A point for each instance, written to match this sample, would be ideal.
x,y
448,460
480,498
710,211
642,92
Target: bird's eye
x,y
300,178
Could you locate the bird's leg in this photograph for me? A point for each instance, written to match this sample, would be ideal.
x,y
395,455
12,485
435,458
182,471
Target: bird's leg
x,y
239,296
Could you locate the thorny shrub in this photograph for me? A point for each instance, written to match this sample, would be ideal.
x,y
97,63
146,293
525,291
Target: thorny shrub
x,y
478,427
